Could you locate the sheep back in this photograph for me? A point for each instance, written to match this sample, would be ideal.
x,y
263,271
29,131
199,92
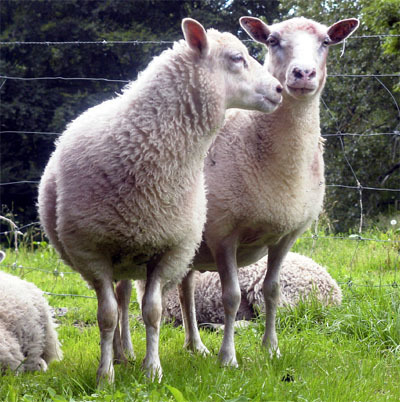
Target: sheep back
x,y
300,277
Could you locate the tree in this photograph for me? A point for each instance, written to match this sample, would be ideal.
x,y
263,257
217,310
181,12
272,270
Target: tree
x,y
48,105
350,104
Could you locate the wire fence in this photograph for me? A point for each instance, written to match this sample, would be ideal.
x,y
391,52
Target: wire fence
x,y
17,233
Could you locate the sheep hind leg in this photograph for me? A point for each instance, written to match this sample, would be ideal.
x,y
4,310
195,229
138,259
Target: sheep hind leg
x,y
186,298
119,356
169,267
271,291
107,317
151,311
227,268
122,337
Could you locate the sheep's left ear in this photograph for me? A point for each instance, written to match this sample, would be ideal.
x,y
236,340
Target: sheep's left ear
x,y
195,36
342,29
256,28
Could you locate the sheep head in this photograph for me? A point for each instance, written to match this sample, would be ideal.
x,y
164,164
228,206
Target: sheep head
x,y
240,80
297,50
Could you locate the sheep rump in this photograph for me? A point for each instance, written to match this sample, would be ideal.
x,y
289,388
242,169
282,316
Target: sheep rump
x,y
28,339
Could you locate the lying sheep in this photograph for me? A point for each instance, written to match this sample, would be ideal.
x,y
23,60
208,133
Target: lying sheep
x,y
123,194
265,174
28,339
300,278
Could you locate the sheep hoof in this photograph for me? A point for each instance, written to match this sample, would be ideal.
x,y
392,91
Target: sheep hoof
x,y
105,377
273,351
202,350
271,344
130,356
228,361
121,360
196,347
152,370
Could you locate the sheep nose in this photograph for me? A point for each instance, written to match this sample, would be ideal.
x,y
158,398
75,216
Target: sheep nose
x,y
279,89
304,74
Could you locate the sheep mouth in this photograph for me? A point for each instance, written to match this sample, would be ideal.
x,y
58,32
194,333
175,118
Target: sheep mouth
x,y
273,102
300,91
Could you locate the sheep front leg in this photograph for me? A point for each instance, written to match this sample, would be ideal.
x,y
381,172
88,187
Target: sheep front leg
x,y
151,311
225,257
107,317
123,293
186,298
271,291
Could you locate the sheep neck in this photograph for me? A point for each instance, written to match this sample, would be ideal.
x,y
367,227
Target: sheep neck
x,y
291,133
179,124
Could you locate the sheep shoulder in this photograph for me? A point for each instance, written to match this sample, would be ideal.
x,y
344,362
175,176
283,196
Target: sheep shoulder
x,y
138,173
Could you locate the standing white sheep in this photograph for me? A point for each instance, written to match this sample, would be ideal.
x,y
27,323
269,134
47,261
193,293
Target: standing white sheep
x,y
265,174
28,339
300,278
123,194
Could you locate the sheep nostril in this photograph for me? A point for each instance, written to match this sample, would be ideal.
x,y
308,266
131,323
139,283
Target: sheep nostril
x,y
297,73
279,89
304,74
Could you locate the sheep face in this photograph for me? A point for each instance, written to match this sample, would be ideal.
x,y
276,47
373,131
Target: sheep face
x,y
297,51
240,79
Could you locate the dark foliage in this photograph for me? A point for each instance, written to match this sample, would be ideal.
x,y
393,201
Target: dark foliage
x,y
352,105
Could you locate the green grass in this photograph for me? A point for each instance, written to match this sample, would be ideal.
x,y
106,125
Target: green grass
x,y
344,353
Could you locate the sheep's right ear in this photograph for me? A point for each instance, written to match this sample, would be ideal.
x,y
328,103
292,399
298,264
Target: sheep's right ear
x,y
342,30
257,29
195,36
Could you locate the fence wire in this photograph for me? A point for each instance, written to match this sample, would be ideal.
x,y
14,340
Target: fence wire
x,y
17,233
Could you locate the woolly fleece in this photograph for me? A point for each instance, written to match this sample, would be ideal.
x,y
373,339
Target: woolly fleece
x,y
301,278
28,339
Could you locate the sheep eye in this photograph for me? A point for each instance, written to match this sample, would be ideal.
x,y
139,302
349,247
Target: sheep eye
x,y
272,41
326,41
237,58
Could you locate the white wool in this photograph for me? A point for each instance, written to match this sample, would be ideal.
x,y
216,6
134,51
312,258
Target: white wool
x,y
301,278
28,339
128,172
123,194
265,174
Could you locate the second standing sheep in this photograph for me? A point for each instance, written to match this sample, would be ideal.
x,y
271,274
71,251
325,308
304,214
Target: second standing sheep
x,y
265,174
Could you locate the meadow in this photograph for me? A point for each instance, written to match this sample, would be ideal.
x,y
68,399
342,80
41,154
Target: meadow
x,y
349,352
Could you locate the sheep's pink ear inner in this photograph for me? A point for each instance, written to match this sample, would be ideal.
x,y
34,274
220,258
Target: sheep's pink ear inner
x,y
342,29
256,28
195,36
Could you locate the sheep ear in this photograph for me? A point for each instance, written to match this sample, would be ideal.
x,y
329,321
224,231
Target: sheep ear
x,y
195,36
342,29
257,29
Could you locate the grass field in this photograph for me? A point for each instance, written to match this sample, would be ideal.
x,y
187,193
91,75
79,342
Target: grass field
x,y
345,353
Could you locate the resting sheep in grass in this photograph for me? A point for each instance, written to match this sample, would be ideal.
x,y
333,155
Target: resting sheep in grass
x,y
265,174
300,279
123,194
28,339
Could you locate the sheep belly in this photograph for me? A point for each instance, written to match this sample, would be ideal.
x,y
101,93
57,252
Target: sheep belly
x,y
128,267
